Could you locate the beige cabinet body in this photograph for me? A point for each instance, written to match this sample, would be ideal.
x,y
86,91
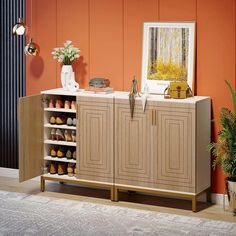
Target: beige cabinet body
x,y
160,150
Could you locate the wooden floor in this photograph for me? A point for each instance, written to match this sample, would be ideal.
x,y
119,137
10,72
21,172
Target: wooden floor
x,y
130,200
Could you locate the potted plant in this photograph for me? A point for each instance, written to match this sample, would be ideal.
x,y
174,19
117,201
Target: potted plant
x,y
224,150
67,55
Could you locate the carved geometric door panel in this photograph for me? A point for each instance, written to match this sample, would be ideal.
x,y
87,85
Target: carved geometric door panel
x,y
133,159
175,164
95,130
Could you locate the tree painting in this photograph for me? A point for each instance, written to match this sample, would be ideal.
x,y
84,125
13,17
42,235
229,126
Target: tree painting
x,y
168,53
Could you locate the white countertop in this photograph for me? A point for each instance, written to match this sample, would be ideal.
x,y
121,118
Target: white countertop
x,y
121,95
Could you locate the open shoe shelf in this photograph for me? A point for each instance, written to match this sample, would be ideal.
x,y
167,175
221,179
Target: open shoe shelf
x,y
60,110
48,125
64,159
63,143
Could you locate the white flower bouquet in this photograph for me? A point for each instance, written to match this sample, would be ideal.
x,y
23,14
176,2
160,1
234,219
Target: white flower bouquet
x,y
67,54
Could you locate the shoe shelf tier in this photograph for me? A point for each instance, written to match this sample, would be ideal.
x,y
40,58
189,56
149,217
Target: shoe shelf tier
x,y
63,159
48,125
59,110
63,143
60,177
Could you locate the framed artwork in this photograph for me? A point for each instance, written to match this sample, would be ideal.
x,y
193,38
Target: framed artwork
x,y
168,54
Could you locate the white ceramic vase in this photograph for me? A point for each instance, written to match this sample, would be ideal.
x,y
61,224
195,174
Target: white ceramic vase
x,y
66,74
68,78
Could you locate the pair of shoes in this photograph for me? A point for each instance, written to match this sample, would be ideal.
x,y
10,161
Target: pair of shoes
x,y
60,168
70,155
70,137
59,120
57,152
71,121
70,105
70,169
55,104
56,134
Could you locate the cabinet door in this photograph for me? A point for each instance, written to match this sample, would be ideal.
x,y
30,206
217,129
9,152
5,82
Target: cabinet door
x,y
30,137
133,152
175,142
95,139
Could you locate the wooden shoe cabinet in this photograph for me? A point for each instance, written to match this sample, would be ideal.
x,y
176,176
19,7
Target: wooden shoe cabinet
x,y
162,150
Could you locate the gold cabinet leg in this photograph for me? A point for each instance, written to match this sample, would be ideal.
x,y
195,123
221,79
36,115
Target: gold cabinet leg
x,y
42,184
112,193
194,204
208,195
115,195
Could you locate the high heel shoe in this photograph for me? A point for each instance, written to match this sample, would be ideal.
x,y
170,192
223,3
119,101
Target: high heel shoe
x,y
68,137
73,136
51,103
59,135
67,104
52,120
73,105
59,103
53,134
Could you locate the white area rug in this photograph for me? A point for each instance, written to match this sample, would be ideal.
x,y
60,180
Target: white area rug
x,y
22,214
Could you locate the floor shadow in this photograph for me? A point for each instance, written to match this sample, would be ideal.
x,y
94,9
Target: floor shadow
x,y
127,196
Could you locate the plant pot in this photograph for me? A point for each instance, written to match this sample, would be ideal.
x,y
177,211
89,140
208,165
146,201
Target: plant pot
x,y
231,189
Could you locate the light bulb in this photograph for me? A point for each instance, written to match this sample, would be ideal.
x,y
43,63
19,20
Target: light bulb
x,y
31,48
19,28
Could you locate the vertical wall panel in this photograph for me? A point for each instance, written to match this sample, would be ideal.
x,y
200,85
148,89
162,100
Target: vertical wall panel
x,y
216,60
106,41
12,80
136,12
75,28
177,10
41,70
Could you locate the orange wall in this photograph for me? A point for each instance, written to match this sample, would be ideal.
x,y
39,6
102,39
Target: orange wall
x,y
109,34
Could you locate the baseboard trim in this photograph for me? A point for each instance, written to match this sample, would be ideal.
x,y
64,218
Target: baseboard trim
x,y
216,198
7,172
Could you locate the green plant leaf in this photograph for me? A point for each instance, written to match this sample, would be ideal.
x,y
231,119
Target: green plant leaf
x,y
233,94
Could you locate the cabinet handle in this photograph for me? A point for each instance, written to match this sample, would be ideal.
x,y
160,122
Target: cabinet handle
x,y
152,116
155,117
